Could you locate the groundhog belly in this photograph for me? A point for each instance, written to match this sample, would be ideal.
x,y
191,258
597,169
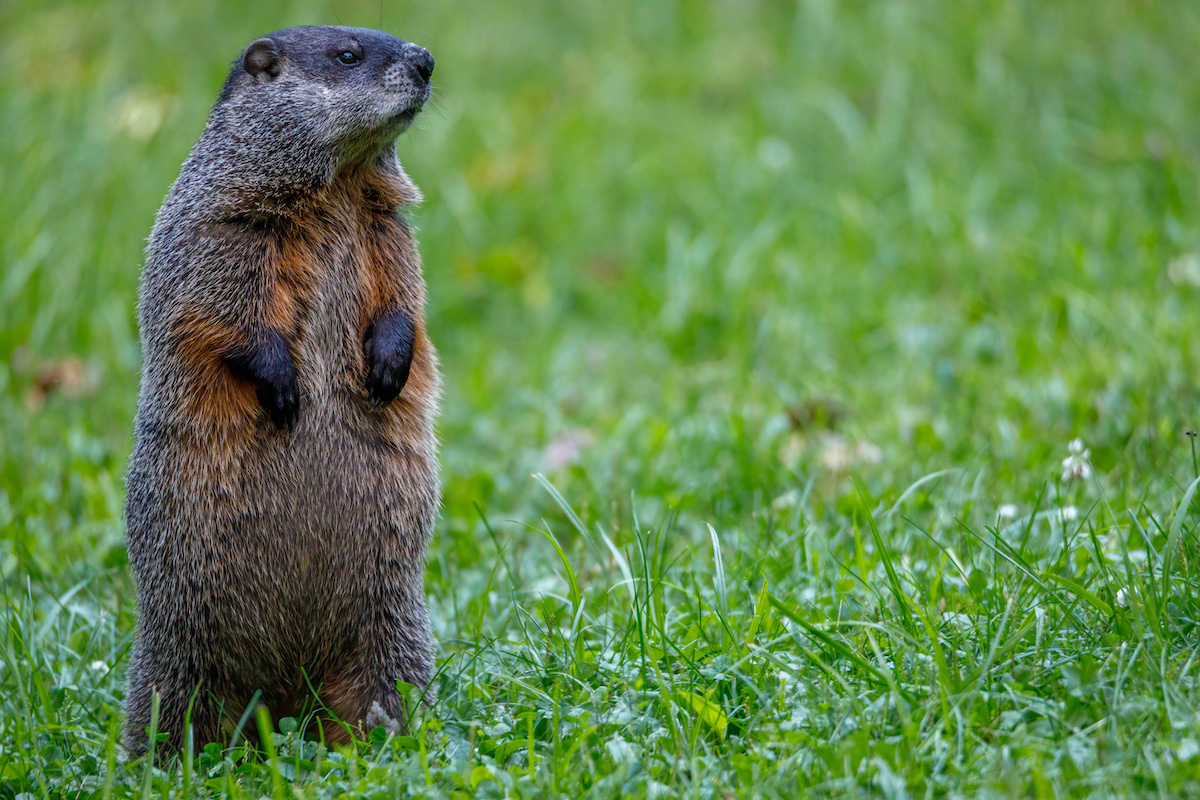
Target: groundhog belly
x,y
366,477
360,510
360,490
361,483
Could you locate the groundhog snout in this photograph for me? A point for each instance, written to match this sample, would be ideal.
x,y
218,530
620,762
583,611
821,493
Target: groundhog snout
x,y
420,60
410,73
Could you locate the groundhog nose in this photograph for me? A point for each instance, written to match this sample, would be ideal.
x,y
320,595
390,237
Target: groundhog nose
x,y
421,60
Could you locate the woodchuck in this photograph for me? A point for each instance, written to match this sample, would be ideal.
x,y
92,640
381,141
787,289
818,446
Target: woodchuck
x,y
283,484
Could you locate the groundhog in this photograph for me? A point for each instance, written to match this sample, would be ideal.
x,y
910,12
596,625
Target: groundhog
x,y
283,484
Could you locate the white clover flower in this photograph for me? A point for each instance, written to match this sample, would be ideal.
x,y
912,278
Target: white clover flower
x,y
1068,514
97,666
1007,511
1076,466
1122,598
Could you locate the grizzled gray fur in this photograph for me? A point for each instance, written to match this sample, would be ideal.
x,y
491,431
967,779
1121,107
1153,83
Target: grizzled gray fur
x,y
283,484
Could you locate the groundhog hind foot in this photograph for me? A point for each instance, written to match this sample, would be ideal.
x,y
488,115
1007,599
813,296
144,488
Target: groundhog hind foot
x,y
378,718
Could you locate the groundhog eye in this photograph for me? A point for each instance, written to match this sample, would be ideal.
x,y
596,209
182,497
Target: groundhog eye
x,y
348,58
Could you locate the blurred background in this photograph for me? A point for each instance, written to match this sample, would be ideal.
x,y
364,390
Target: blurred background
x,y
680,256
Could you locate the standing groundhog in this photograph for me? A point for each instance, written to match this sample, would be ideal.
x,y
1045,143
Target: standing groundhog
x,y
283,484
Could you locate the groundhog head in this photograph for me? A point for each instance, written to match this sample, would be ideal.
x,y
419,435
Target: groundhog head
x,y
352,89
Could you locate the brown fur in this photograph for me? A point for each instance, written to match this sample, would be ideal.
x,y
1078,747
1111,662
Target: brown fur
x,y
216,397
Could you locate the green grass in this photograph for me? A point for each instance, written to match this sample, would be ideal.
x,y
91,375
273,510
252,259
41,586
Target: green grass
x,y
796,307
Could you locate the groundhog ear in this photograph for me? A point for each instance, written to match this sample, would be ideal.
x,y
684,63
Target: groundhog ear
x,y
262,58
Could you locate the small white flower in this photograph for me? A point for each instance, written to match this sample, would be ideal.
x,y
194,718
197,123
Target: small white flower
x,y
98,666
1122,598
1007,511
1068,514
1076,466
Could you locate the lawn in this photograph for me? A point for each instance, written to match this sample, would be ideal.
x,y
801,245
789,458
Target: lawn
x,y
766,330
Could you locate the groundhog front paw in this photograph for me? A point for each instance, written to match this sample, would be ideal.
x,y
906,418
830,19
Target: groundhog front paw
x,y
389,350
280,396
269,365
